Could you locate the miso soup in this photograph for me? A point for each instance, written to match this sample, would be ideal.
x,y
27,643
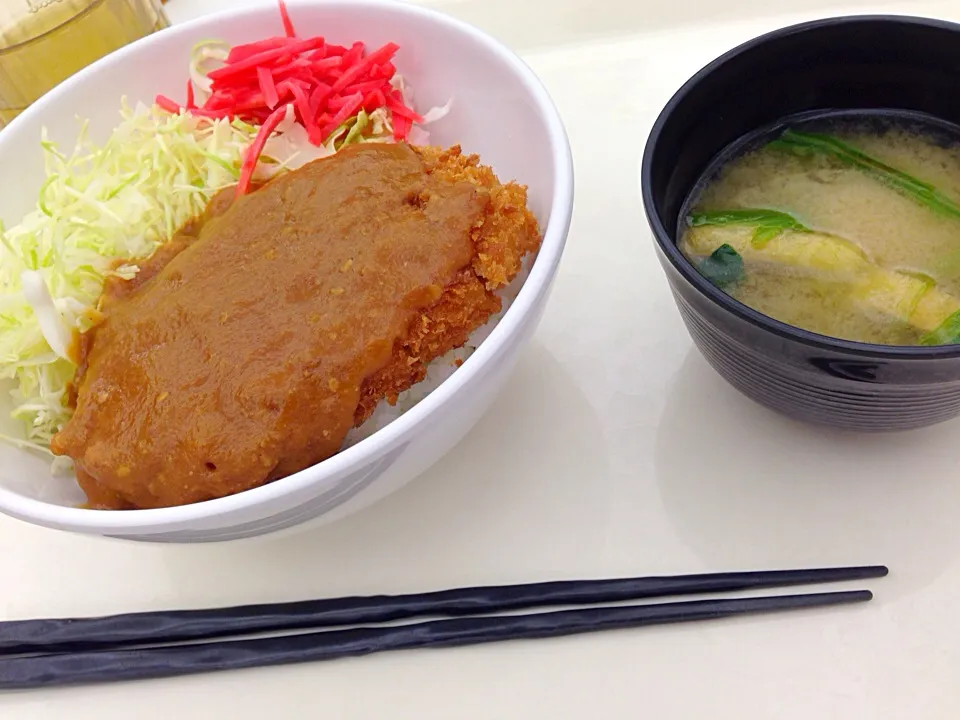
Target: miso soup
x,y
850,230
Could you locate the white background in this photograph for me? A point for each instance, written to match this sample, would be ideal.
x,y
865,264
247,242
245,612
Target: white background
x,y
615,450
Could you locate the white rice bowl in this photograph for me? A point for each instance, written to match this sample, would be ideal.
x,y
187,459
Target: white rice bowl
x,y
501,112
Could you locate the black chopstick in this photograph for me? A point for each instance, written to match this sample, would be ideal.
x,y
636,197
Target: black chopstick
x,y
118,631
133,664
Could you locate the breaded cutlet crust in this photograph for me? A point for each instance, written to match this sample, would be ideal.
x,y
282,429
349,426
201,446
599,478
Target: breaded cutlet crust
x,y
507,233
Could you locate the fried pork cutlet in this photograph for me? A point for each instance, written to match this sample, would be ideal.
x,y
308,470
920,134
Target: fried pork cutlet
x,y
247,348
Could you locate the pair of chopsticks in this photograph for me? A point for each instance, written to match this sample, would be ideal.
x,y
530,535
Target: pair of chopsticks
x,y
44,653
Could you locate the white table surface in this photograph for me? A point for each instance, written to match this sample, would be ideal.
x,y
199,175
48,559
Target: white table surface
x,y
615,450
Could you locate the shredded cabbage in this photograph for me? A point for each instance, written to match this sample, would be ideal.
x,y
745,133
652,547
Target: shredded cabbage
x,y
100,210
418,134
204,57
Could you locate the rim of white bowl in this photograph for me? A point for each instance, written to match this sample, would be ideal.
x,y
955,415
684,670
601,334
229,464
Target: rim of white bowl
x,y
541,274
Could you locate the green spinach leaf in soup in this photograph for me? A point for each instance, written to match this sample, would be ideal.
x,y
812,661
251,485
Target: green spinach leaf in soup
x,y
723,267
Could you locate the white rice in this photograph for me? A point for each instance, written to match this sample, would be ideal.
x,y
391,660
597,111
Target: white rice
x,y
440,369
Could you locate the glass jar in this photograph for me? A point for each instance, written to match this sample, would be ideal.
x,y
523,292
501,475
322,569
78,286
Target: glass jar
x,y
43,42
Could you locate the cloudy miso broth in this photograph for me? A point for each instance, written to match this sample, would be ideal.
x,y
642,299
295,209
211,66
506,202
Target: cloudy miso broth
x,y
848,230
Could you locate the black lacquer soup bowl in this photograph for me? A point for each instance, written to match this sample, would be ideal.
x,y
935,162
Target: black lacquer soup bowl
x,y
866,64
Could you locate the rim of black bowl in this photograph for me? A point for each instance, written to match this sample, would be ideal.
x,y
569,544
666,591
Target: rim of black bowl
x,y
689,272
